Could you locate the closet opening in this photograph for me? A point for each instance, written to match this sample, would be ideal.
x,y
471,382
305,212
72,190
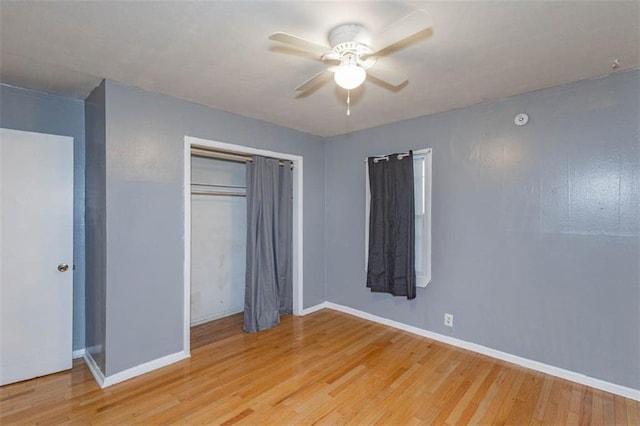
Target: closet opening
x,y
218,237
216,232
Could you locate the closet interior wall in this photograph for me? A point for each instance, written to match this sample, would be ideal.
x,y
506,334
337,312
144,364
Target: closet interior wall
x,y
218,238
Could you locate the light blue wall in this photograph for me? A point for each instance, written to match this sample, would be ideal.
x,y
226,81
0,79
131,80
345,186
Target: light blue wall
x,y
96,225
145,213
22,109
535,229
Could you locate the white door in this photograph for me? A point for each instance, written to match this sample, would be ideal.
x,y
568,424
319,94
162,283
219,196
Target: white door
x,y
36,252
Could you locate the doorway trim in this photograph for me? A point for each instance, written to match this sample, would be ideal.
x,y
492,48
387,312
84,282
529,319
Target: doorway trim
x,y
297,234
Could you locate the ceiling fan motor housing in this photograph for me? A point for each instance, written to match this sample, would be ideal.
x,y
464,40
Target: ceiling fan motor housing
x,y
348,38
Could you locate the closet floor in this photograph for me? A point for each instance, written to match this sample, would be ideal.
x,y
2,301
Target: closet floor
x,y
214,331
327,367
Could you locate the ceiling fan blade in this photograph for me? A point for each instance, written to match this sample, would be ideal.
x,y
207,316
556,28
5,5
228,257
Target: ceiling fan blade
x,y
331,56
385,72
413,23
320,78
292,51
300,42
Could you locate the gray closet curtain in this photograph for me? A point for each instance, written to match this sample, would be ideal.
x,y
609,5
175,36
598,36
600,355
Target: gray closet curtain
x,y
269,274
391,266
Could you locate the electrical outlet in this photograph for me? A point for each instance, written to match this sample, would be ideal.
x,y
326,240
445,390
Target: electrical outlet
x,y
448,320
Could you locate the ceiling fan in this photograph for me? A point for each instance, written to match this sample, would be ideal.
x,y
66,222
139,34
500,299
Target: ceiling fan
x,y
355,54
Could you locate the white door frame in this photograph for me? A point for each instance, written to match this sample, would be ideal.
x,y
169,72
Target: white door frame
x,y
297,220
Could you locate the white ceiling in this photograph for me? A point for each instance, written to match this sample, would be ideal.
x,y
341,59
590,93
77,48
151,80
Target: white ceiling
x,y
217,53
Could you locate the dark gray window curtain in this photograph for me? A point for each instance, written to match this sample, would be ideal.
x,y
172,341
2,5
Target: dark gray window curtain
x,y
269,274
391,266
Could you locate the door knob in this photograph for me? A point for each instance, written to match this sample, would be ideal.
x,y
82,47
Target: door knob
x,y
63,267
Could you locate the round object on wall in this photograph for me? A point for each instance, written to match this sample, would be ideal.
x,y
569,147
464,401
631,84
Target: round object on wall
x,y
521,119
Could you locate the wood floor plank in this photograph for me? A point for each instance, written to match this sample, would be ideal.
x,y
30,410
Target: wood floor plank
x,y
477,381
524,404
633,412
480,407
510,398
543,400
326,368
499,397
620,410
608,409
573,417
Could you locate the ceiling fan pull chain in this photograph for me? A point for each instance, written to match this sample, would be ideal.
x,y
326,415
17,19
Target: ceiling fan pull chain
x,y
348,102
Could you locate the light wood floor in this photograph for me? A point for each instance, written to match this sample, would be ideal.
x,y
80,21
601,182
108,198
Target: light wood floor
x,y
327,368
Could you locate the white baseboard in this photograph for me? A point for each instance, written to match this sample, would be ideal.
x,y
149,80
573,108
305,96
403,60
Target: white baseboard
x,y
131,372
79,353
313,309
93,368
514,359
217,316
144,368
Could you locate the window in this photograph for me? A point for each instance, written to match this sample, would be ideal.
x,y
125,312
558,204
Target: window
x,y
422,187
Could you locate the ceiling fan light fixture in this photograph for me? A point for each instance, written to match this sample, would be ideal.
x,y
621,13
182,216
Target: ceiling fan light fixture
x,y
349,76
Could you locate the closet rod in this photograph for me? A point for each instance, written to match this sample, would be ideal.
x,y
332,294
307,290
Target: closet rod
x,y
231,194
218,186
208,153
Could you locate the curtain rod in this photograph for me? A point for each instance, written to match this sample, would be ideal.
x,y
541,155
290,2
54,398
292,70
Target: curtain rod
x,y
400,155
222,155
377,158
